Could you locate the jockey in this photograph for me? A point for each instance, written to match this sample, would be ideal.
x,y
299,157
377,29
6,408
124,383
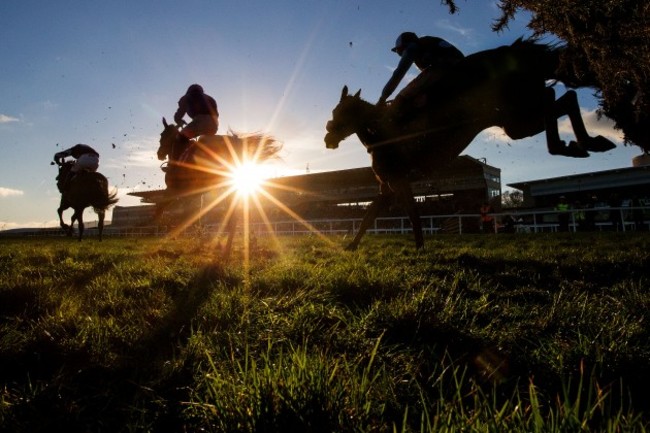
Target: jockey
x,y
433,56
86,158
201,108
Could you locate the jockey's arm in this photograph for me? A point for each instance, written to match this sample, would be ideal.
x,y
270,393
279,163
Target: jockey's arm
x,y
58,157
398,74
181,111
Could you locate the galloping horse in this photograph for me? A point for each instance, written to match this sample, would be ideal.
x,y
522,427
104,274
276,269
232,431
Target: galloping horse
x,y
83,190
203,164
505,87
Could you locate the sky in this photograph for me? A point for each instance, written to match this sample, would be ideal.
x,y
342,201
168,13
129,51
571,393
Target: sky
x,y
105,73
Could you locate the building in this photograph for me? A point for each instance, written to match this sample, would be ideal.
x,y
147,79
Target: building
x,y
459,188
607,186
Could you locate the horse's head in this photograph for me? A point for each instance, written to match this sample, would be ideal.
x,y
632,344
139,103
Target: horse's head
x,y
168,138
347,118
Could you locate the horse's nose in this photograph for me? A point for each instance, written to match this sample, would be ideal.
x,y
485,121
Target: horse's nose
x,y
331,142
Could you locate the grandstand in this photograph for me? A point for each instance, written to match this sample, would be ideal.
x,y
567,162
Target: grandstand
x,y
459,188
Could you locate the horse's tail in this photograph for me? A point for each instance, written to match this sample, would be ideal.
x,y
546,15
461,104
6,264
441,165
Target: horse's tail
x,y
105,198
106,202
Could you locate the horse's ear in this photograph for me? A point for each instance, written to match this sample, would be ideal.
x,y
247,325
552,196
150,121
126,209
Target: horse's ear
x,y
165,123
358,94
344,92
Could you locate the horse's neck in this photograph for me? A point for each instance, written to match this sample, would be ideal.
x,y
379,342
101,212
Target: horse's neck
x,y
370,123
180,146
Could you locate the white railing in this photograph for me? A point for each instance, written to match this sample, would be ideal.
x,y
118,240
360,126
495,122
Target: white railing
x,y
525,221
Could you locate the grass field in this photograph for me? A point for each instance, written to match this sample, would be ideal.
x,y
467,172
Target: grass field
x,y
522,333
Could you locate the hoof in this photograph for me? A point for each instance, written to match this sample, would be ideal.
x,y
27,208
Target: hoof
x,y
576,151
599,144
572,150
351,247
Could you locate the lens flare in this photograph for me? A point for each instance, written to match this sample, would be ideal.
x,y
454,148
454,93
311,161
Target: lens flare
x,y
247,178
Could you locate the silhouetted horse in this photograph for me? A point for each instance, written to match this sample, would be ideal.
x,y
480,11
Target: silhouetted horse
x,y
83,190
197,166
504,87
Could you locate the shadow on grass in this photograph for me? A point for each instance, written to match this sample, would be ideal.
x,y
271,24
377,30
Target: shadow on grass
x,y
68,389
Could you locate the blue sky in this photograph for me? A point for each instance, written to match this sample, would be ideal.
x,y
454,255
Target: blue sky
x,y
105,73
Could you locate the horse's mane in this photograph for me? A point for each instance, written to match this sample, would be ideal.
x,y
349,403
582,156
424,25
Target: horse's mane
x,y
259,145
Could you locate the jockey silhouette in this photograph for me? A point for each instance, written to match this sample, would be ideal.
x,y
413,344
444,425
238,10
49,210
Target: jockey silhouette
x,y
201,108
86,158
433,56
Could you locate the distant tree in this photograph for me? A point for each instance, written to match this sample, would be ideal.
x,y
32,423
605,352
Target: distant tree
x,y
512,198
608,40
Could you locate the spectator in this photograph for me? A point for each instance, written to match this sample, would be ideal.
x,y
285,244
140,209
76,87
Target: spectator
x,y
590,213
637,214
563,214
579,216
615,217
487,220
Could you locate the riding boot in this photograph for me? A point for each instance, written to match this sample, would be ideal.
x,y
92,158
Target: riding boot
x,y
66,181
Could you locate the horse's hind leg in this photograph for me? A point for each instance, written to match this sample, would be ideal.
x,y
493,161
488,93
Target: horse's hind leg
x,y
404,191
552,111
101,213
568,104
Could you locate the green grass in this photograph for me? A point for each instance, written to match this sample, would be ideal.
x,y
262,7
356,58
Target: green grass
x,y
545,333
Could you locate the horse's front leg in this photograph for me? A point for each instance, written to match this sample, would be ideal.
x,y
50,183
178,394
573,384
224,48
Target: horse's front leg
x,y
78,216
63,225
381,202
66,228
231,226
405,193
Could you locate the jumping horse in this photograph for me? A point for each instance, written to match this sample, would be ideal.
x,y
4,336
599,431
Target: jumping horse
x,y
83,190
505,87
204,164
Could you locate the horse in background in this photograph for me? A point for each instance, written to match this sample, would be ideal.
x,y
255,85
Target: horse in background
x,y
204,164
85,189
505,87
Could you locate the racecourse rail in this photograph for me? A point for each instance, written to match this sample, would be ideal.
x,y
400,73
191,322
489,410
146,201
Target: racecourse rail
x,y
522,221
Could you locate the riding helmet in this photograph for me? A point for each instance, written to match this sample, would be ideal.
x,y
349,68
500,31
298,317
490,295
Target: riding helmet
x,y
195,89
403,40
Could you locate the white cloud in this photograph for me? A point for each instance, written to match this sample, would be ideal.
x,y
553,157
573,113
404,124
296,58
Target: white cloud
x,y
462,31
9,225
603,126
7,119
8,192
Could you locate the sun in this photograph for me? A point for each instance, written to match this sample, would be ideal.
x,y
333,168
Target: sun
x,y
247,178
